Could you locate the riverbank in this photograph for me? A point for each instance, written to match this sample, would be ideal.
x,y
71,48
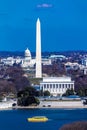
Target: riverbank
x,y
5,105
55,104
44,104
59,107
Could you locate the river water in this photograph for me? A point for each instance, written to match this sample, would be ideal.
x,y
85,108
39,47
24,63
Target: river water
x,y
17,119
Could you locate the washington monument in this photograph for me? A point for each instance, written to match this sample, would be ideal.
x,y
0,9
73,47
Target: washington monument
x,y
38,50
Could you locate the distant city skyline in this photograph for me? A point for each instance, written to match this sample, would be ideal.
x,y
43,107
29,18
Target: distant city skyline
x,y
63,23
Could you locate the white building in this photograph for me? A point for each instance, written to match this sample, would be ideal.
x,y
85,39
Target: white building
x,y
46,61
56,57
57,85
84,61
26,62
8,61
73,66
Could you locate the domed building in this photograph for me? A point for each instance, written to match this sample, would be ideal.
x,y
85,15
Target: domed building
x,y
27,54
27,62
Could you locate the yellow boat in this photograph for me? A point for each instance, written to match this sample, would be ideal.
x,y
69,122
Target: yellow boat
x,y
38,119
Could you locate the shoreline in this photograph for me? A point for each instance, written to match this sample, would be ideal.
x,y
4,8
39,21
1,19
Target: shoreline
x,y
46,105
38,107
53,107
47,108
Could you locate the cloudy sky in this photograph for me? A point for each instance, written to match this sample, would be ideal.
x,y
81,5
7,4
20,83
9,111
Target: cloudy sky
x,y
63,24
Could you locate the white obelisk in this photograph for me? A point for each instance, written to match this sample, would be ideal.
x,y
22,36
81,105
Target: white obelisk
x,y
38,50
